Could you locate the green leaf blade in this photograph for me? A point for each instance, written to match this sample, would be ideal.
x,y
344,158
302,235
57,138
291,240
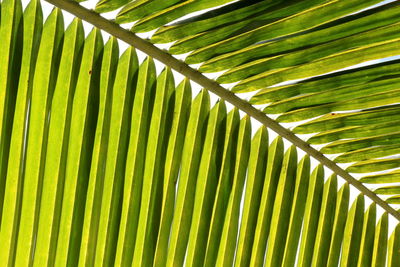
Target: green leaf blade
x,y
121,106
153,177
394,248
339,223
224,187
325,224
227,245
182,102
79,147
381,242
133,181
10,192
282,209
187,184
57,144
352,233
42,90
97,172
206,186
297,212
311,216
367,239
256,172
274,163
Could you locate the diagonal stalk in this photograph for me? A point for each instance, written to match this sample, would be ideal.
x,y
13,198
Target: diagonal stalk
x,y
214,87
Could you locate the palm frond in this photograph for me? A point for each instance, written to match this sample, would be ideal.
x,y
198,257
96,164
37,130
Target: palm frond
x,y
106,162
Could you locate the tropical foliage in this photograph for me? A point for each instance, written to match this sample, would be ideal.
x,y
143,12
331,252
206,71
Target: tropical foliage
x,y
106,162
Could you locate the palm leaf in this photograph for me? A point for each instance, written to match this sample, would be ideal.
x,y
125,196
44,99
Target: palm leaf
x,y
105,161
